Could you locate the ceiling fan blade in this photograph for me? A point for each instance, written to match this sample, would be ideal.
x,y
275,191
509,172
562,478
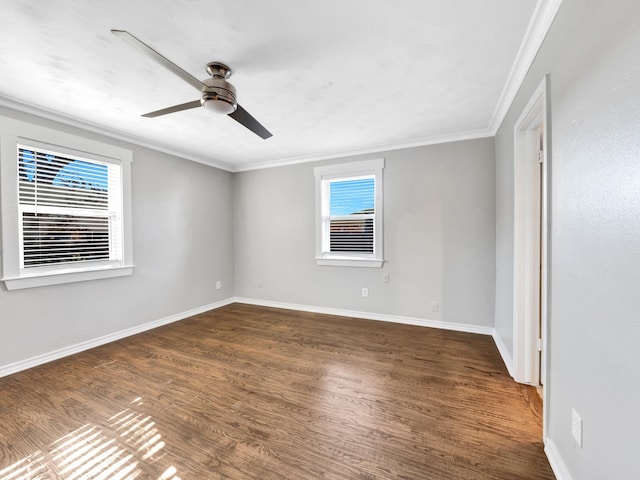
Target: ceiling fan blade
x,y
244,118
158,57
175,108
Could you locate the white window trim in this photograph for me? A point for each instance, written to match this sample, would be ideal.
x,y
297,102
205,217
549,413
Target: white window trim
x,y
351,169
13,132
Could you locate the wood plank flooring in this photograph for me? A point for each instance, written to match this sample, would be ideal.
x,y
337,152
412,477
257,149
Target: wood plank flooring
x,y
247,392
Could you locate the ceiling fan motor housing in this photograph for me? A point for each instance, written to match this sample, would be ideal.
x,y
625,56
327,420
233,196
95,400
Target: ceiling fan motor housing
x,y
218,94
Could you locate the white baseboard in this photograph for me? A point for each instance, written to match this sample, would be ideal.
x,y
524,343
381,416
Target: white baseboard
x,y
504,352
555,460
460,327
80,347
96,342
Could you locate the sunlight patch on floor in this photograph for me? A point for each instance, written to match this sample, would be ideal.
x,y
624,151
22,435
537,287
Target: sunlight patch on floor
x,y
97,453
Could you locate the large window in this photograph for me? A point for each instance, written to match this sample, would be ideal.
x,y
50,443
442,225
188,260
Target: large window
x,y
349,214
72,209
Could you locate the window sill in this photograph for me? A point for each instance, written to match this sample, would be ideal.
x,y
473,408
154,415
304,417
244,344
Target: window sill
x,y
56,278
350,262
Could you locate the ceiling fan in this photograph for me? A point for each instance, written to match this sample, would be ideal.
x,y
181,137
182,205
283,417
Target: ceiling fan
x,y
217,95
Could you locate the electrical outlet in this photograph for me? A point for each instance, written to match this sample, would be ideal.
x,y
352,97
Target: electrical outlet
x,y
435,306
365,292
218,285
576,427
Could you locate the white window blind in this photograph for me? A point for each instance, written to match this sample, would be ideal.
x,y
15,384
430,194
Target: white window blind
x,y
70,209
348,214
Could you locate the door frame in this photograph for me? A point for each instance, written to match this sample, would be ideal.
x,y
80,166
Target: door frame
x,y
528,325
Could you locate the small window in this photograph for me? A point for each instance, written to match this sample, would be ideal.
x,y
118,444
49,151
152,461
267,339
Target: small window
x,y
73,211
349,214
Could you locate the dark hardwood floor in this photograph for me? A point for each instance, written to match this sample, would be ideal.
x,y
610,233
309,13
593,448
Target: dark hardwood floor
x,y
247,392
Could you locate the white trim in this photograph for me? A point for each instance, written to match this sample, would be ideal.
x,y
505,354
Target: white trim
x,y
349,262
340,171
30,109
60,277
420,322
555,460
16,131
21,365
378,149
504,352
529,302
112,337
347,168
88,126
541,20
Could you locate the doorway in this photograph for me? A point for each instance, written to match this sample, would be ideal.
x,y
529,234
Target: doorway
x,y
531,156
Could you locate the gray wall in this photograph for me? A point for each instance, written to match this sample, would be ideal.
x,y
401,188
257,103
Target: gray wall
x,y
439,237
592,55
182,244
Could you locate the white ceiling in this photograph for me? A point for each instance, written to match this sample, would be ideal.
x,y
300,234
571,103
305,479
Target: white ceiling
x,y
327,78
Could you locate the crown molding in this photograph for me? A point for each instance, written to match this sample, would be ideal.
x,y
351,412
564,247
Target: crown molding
x,y
541,20
435,140
30,109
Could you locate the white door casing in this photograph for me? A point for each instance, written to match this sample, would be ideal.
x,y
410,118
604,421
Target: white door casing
x,y
530,240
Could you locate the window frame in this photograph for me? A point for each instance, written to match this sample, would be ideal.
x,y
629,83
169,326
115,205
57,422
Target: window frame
x,y
15,132
347,171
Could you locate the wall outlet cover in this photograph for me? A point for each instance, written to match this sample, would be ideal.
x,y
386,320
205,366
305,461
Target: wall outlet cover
x,y
576,427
